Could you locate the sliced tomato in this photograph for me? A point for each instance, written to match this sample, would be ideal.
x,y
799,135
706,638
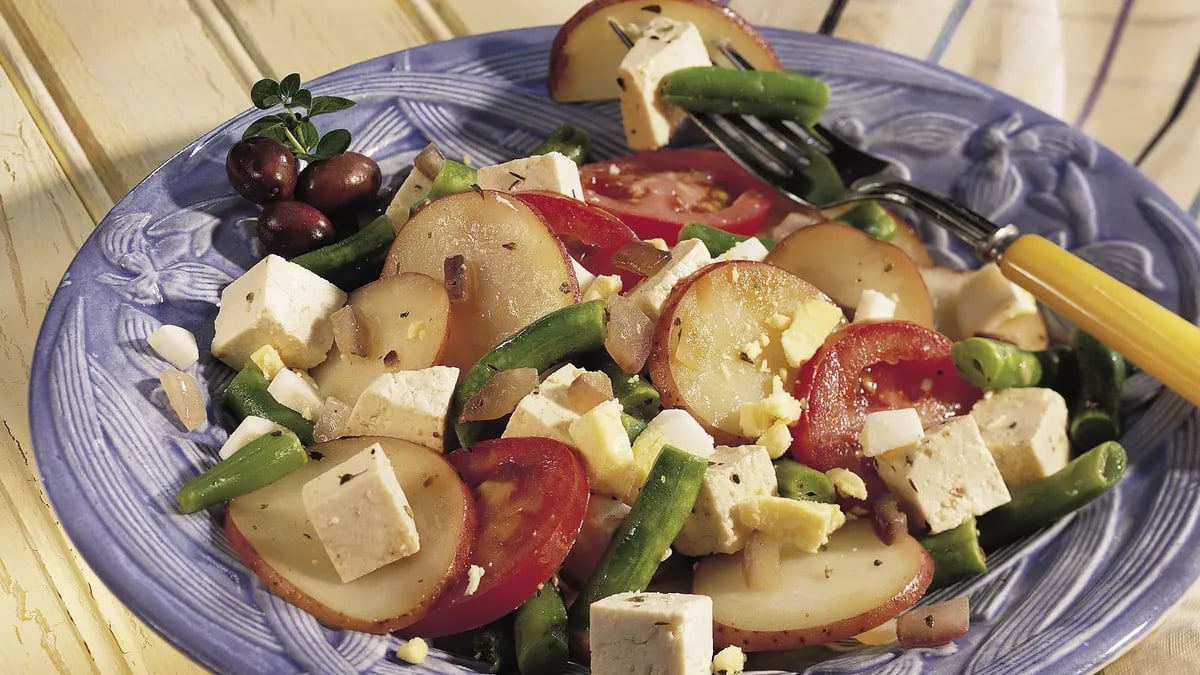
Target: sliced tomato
x,y
531,495
590,234
867,367
656,193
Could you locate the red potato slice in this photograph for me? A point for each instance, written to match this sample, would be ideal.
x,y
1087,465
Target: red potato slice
x,y
585,53
345,376
843,262
405,319
906,238
519,270
854,585
279,544
696,361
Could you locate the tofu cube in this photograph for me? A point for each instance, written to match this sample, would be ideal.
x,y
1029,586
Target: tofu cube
x,y
688,256
886,430
665,46
552,171
874,306
176,345
409,404
603,516
733,475
601,440
361,515
805,525
812,321
250,429
281,304
749,249
297,392
1026,431
547,412
946,477
988,299
673,427
652,633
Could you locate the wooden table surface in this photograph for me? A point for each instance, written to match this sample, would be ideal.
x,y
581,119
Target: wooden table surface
x,y
96,93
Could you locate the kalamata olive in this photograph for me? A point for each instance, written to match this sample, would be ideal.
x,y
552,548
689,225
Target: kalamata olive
x,y
291,228
261,170
339,183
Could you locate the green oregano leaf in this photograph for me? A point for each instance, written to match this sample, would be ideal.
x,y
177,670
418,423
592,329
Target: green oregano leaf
x,y
271,126
333,143
289,86
302,99
264,90
322,105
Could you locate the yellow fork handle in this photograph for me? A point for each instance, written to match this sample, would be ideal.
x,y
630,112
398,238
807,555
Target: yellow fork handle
x,y
1160,342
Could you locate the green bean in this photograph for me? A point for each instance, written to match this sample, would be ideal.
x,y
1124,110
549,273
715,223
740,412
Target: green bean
x,y
570,141
992,364
765,93
797,481
637,396
259,463
1040,503
956,554
1096,414
540,633
633,426
453,178
871,218
247,395
717,241
493,644
355,260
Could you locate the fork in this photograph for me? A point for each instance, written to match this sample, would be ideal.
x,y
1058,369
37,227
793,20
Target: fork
x,y
788,156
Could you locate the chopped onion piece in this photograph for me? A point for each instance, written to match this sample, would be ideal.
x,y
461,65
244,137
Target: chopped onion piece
x,y
934,625
588,391
429,161
641,258
760,561
331,423
454,269
628,335
347,331
889,521
500,395
183,395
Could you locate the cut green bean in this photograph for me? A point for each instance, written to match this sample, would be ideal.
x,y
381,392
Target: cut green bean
x,y
575,143
1096,413
956,554
1040,503
797,481
992,364
633,426
247,396
637,396
540,633
454,177
259,463
349,262
871,218
717,241
1060,370
636,549
766,93
493,645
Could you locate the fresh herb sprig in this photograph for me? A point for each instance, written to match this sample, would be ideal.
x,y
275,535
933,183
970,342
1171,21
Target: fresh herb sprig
x,y
294,127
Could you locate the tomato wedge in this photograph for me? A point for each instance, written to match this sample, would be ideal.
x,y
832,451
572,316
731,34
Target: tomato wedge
x,y
590,234
656,193
867,367
531,495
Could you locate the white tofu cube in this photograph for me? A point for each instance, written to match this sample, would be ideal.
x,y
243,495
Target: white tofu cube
x,y
547,413
733,475
874,306
665,46
296,392
603,516
1026,431
558,383
947,477
988,300
281,304
552,171
250,429
674,427
175,344
601,440
582,276
812,321
886,430
361,515
409,404
688,256
749,249
652,633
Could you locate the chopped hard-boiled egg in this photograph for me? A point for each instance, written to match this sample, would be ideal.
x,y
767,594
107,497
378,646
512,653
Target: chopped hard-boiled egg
x,y
601,440
297,392
729,661
267,359
887,430
175,344
748,249
602,287
813,321
756,418
874,306
665,46
776,439
248,430
415,651
806,525
847,483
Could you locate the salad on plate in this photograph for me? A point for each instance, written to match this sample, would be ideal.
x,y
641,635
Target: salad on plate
x,y
636,412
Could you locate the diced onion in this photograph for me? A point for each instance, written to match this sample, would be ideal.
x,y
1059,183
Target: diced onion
x,y
429,161
347,331
454,270
760,561
500,395
183,395
889,521
934,625
331,423
588,391
641,258
628,336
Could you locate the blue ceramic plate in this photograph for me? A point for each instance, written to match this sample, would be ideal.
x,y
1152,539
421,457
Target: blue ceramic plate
x,y
112,457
